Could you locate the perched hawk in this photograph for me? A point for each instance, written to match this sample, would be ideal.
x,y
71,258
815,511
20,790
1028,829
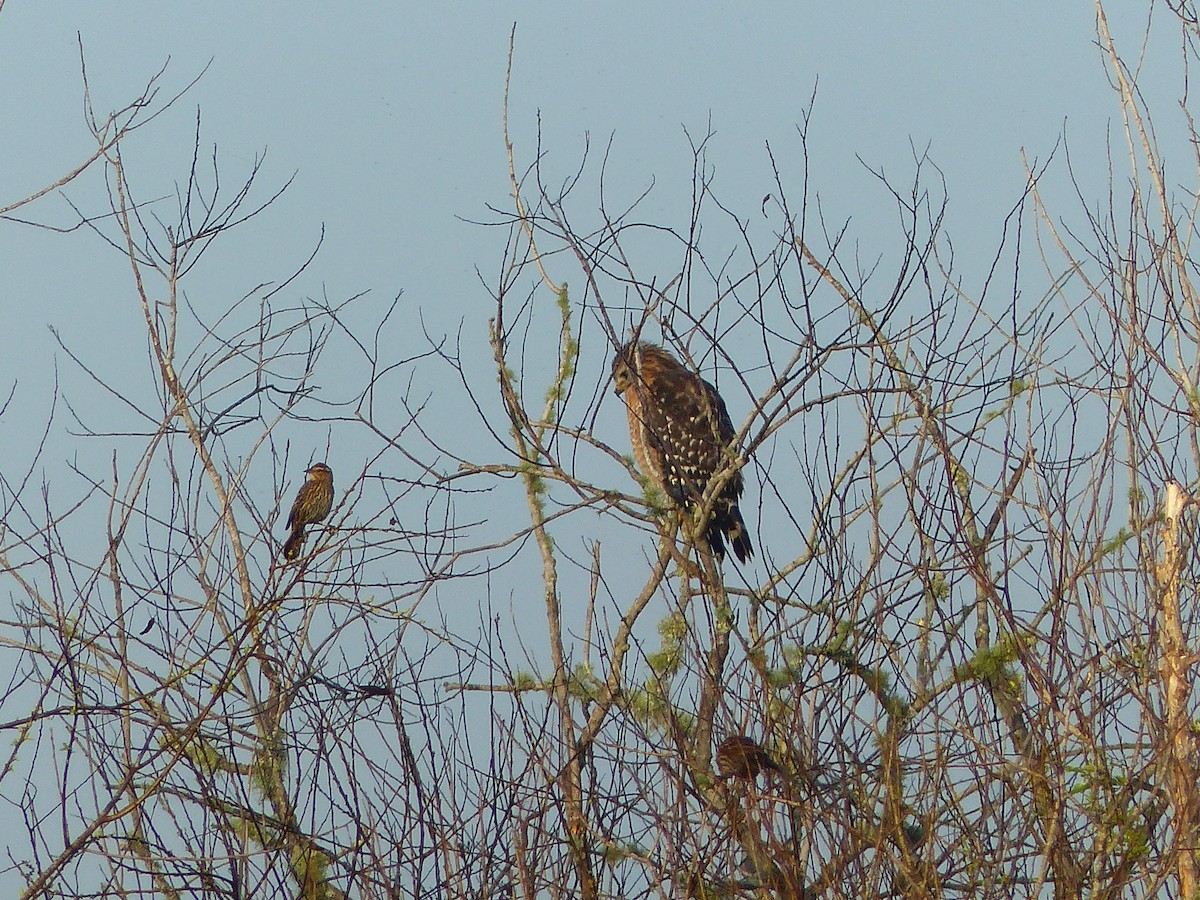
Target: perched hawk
x,y
682,436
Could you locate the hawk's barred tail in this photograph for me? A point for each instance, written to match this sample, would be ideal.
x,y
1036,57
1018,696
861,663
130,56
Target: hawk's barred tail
x,y
728,524
739,536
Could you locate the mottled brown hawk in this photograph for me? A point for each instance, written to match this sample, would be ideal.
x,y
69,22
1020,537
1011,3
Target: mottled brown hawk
x,y
682,436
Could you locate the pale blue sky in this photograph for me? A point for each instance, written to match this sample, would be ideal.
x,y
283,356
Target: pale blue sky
x,y
390,115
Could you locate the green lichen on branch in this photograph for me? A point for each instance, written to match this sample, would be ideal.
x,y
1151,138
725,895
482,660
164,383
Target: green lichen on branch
x,y
310,868
669,657
535,485
526,681
652,707
269,768
937,587
568,355
197,750
1115,543
656,501
994,663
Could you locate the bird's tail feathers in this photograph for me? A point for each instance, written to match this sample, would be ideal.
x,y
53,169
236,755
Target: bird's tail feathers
x,y
295,542
728,524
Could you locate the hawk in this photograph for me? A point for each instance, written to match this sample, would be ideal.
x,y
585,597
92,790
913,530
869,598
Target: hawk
x,y
682,436
312,504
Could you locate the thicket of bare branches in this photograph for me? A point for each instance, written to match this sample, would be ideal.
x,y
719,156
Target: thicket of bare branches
x,y
963,650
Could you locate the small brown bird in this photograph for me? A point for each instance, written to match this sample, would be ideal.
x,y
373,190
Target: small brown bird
x,y
740,757
312,504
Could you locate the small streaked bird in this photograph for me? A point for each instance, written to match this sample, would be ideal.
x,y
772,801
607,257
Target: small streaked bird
x,y
312,504
740,757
